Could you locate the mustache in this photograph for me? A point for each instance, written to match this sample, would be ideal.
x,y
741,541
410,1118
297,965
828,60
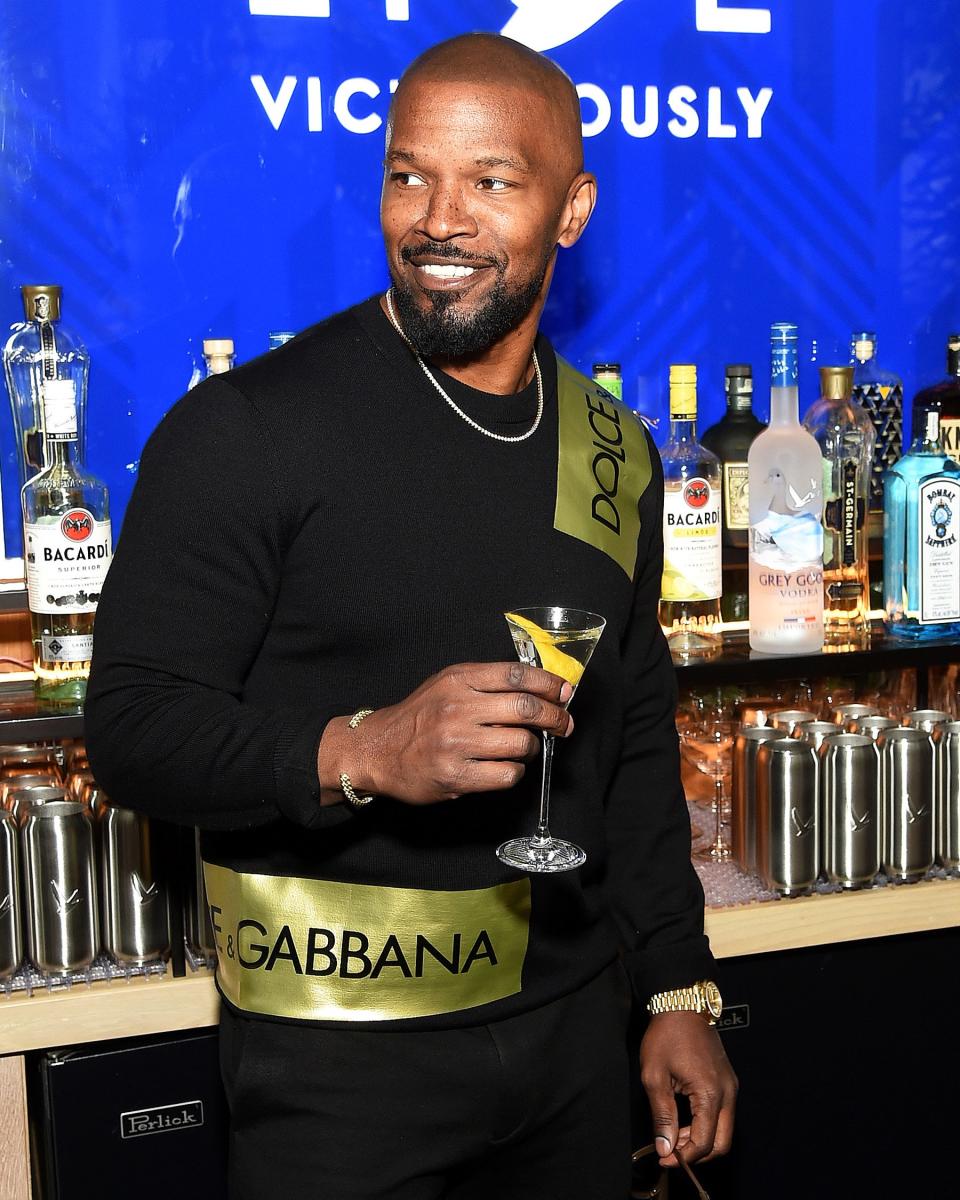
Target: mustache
x,y
446,250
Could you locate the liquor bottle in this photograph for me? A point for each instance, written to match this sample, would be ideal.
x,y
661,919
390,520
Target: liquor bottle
x,y
609,376
279,338
730,439
880,394
218,354
945,397
845,435
692,557
921,539
67,546
786,507
40,349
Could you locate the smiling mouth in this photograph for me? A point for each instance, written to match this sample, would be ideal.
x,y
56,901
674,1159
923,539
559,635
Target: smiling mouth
x,y
445,270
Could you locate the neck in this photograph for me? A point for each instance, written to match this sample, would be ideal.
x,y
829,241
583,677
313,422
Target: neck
x,y
501,369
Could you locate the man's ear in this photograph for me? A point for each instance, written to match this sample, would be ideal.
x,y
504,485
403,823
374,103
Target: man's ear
x,y
579,204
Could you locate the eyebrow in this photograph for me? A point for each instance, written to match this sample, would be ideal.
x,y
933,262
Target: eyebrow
x,y
487,161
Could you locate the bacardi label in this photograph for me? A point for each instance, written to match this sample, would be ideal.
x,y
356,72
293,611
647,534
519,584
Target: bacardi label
x,y
692,554
67,561
939,515
736,496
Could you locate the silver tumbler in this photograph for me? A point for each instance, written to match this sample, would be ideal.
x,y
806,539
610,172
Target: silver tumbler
x,y
873,727
133,899
197,911
850,808
743,834
11,938
814,732
843,714
787,815
789,718
908,782
20,801
948,822
61,888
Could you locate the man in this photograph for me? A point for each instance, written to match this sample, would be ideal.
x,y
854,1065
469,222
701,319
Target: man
x,y
306,610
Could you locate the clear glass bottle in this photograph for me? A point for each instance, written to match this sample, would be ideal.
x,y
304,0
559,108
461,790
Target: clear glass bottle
x,y
278,338
219,355
945,398
692,555
921,539
730,440
68,548
40,349
610,377
845,434
786,508
880,394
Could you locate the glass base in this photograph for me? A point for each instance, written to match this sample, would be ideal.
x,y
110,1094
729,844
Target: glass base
x,y
541,855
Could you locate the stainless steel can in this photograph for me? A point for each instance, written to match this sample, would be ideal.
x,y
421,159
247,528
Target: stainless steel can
x,y
927,719
948,817
790,718
197,911
850,808
873,726
18,782
814,732
908,802
133,897
787,815
20,801
743,827
61,890
11,916
843,714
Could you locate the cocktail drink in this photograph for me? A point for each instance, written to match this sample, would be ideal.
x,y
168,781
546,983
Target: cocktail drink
x,y
560,640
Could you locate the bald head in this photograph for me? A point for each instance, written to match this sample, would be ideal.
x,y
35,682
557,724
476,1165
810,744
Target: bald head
x,y
491,60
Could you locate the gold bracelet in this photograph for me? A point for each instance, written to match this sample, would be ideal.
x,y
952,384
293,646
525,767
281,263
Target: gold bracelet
x,y
345,785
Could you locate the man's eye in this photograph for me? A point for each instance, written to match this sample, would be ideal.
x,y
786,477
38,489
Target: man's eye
x,y
494,185
406,179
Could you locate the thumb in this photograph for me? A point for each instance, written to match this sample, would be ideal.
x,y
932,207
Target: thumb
x,y
663,1109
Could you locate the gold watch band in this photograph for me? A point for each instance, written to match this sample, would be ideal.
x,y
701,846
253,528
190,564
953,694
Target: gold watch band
x,y
353,798
702,998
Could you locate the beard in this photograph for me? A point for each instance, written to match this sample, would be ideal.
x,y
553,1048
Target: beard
x,y
441,330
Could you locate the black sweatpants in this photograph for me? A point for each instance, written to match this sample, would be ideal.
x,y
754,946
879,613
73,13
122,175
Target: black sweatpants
x,y
533,1107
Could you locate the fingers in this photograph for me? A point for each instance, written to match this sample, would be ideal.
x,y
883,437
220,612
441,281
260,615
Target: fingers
x,y
705,1111
663,1110
516,677
504,742
524,708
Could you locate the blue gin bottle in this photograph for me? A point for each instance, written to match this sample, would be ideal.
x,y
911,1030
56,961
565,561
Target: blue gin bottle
x,y
921,539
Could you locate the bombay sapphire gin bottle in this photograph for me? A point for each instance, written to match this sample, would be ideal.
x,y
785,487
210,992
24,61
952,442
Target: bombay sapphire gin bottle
x,y
880,394
921,539
785,476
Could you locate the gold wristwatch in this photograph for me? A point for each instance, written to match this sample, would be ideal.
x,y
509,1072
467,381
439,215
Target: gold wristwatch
x,y
703,998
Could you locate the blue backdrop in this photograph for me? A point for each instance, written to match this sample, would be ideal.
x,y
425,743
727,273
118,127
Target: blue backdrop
x,y
188,169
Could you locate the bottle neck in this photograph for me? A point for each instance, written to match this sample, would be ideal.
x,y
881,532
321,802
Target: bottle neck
x,y
927,439
63,454
953,362
784,406
683,428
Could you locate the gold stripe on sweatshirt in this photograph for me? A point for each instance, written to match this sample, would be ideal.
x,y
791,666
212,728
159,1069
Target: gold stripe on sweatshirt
x,y
317,950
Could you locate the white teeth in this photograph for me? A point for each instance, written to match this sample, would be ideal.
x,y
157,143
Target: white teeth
x,y
447,271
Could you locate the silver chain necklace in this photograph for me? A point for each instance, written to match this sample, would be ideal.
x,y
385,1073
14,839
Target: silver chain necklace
x,y
497,437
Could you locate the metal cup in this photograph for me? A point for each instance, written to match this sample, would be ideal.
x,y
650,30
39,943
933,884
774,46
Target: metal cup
x,y
133,898
61,887
850,808
199,930
11,938
787,816
873,727
19,802
948,817
908,800
743,834
789,718
843,714
813,732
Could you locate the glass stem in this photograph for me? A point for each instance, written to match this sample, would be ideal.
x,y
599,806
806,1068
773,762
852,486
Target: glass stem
x,y
718,799
543,833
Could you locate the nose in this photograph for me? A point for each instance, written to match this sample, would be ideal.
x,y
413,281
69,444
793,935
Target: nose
x,y
447,214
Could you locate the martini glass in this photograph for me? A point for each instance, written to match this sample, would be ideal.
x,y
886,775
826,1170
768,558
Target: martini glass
x,y
708,745
559,640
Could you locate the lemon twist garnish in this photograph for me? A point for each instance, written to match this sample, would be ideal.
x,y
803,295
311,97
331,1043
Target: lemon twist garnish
x,y
551,659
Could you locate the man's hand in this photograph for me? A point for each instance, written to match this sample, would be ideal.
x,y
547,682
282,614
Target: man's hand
x,y
681,1053
470,728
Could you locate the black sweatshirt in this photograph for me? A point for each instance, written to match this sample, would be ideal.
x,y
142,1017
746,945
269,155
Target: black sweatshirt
x,y
316,532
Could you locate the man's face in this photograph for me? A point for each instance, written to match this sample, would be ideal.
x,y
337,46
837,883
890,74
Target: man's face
x,y
470,209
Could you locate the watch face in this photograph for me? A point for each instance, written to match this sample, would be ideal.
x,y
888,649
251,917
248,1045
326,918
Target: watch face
x,y
714,1002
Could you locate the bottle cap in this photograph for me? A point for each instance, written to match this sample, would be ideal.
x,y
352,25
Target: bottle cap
x,y
864,344
784,365
606,368
783,331
41,301
280,337
738,386
738,371
217,347
836,383
683,391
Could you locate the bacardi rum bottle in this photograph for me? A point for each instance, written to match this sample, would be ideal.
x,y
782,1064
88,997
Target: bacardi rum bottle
x,y
67,547
786,508
692,557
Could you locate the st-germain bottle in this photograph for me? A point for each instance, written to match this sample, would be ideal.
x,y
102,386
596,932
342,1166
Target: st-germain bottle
x,y
945,398
692,556
67,547
730,440
844,433
921,539
786,508
880,394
